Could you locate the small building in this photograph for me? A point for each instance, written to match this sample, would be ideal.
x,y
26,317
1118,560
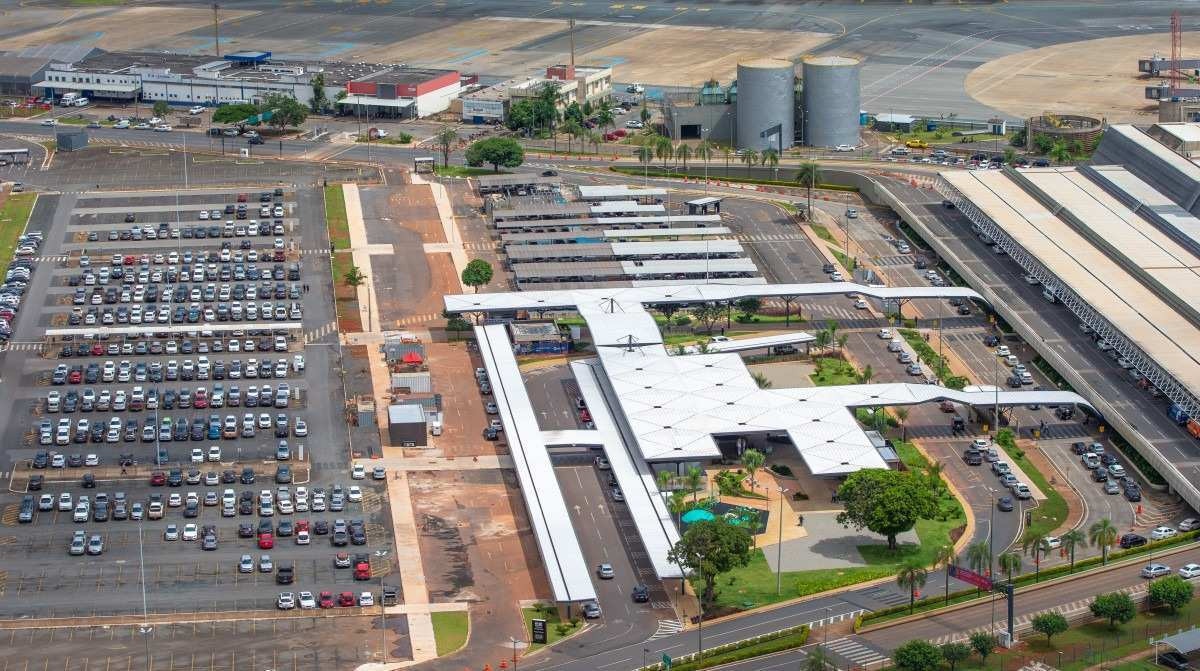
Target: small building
x,y
520,183
485,104
593,83
71,140
538,338
885,449
418,382
709,114
897,123
406,425
702,205
397,347
402,92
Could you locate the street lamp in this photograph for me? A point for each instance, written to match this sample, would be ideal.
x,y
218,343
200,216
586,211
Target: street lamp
x,y
779,547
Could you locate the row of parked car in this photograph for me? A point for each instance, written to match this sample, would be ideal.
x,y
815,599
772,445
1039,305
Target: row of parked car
x,y
171,347
139,273
157,371
1105,469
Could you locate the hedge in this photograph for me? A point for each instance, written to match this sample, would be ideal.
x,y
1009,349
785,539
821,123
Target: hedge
x,y
692,173
935,603
784,639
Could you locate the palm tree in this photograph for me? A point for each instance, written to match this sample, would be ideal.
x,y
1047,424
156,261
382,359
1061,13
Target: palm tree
x,y
573,130
753,460
821,339
864,376
1072,539
676,504
1103,534
816,660
944,558
934,475
901,415
664,149
912,578
842,340
728,154
645,154
694,479
1034,543
1060,152
663,478
596,138
761,380
809,175
979,558
682,153
749,157
1009,562
704,150
605,118
770,158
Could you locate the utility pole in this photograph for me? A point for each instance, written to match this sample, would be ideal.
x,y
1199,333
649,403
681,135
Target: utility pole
x,y
217,28
571,34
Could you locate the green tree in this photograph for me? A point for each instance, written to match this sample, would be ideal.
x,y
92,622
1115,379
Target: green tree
x,y
161,108
1009,155
445,139
728,154
750,158
1043,143
1116,607
663,149
1059,152
709,548
822,338
498,151
944,557
816,660
912,577
1173,592
753,460
704,152
809,176
477,273
573,112
708,314
983,643
979,557
864,376
605,119
955,652
1018,138
682,153
1035,545
573,129
523,116
1010,563
748,306
694,477
917,655
761,380
644,115
663,479
1071,540
234,114
676,504
319,100
1050,624
1103,533
770,158
286,111
901,414
587,109
354,277
886,502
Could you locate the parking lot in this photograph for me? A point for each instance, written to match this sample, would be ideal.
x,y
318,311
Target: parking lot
x,y
174,390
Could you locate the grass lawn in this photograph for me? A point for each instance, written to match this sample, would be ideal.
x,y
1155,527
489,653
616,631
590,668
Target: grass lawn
x,y
463,171
691,338
823,233
552,622
14,215
768,319
847,262
1053,511
832,372
401,139
335,217
450,629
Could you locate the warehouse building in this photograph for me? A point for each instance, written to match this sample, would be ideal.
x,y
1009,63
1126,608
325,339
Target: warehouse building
x,y
402,92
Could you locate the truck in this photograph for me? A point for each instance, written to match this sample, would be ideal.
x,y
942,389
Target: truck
x,y
1177,414
435,424
68,99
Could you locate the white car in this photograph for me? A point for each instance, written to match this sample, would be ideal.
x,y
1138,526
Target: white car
x,y
196,110
286,601
1189,524
190,532
307,602
197,455
1003,350
164,128
358,472
843,147
885,334
49,122
1161,533
1189,571
366,599
1052,542
1155,570
354,493
171,533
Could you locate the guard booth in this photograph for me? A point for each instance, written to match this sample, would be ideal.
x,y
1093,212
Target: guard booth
x,y
703,205
424,164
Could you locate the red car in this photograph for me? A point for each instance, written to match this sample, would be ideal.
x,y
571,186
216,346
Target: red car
x,y
75,376
362,571
266,541
128,260
325,599
158,479
97,350
201,400
346,599
301,525
585,415
241,198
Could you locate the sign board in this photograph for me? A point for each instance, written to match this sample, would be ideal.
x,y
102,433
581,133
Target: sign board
x,y
970,577
666,659
538,632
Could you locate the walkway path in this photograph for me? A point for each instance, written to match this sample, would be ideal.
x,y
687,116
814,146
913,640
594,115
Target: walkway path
x,y
454,240
361,251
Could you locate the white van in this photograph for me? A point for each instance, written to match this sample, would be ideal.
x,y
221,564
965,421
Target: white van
x,y
81,102
435,425
68,99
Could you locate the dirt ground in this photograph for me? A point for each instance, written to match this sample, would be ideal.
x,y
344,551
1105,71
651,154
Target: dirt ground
x,y
1093,77
130,28
476,545
452,370
688,56
477,45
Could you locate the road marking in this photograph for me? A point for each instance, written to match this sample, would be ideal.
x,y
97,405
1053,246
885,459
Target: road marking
x,y
666,628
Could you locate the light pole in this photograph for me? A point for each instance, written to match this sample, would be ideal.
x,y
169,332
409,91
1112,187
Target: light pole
x,y
828,609
779,547
645,651
991,554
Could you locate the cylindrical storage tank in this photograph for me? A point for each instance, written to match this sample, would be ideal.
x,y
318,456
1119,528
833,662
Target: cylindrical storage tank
x,y
831,106
766,104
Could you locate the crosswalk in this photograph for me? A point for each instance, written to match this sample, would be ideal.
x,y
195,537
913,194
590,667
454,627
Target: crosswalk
x,y
418,320
666,628
314,252
21,347
897,260
1065,430
320,332
58,258
770,237
855,651
885,596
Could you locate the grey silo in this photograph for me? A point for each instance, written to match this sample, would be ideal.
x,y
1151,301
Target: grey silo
x,y
766,104
831,101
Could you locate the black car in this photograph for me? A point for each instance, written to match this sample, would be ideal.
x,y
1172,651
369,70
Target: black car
x,y
228,477
41,460
254,140
284,529
991,341
89,481
973,457
284,575
1005,503
175,478
1173,660
283,475
1133,494
1079,448
320,527
640,594
247,476
1132,541
129,218
245,530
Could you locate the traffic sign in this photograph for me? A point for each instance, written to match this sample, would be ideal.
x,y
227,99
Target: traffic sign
x,y
666,661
